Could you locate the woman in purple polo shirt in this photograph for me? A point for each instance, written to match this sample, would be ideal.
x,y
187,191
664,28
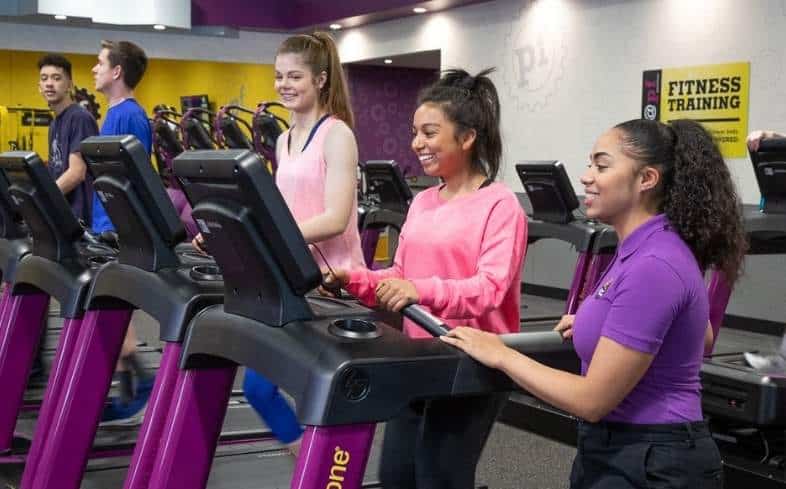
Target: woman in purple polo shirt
x,y
667,192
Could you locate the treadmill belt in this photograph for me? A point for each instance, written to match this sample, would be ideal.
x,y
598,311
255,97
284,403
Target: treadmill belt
x,y
539,308
739,341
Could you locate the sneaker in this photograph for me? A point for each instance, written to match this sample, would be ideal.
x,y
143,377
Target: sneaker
x,y
119,413
769,364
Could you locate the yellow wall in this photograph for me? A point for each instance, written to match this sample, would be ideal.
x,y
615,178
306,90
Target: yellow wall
x,y
164,82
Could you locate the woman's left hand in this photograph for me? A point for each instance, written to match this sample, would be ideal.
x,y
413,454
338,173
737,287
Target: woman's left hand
x,y
487,348
395,293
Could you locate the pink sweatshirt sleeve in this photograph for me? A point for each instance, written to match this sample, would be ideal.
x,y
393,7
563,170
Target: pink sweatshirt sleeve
x,y
498,267
363,282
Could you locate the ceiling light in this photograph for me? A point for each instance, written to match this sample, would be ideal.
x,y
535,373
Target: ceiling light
x,y
335,27
419,10
388,61
159,27
60,17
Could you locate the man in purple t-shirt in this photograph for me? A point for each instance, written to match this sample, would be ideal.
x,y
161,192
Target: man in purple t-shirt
x,y
72,124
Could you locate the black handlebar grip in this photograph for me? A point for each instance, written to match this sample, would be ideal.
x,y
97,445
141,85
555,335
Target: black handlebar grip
x,y
424,319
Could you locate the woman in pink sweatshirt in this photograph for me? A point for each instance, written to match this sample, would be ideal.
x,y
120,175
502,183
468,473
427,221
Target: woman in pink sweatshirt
x,y
460,254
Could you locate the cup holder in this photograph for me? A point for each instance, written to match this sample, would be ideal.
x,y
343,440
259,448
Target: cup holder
x,y
99,260
356,329
206,273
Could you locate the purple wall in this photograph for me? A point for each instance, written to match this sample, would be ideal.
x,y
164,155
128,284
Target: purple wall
x,y
299,14
383,100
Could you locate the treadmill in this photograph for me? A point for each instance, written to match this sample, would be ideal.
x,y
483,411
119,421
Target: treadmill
x,y
227,128
384,206
747,408
550,204
15,244
150,276
342,365
62,264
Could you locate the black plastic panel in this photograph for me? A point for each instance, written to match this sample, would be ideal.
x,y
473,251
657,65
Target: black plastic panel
x,y
336,380
170,295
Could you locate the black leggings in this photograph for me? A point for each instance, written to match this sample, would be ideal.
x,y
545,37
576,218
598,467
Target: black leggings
x,y
437,444
623,456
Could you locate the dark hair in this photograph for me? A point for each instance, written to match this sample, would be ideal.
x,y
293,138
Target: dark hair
x,y
57,60
471,102
130,57
696,191
319,52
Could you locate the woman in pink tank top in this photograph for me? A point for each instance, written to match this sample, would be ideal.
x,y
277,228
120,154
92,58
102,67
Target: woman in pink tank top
x,y
317,176
317,156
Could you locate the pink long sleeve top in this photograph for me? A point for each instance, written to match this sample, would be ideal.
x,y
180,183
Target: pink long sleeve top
x,y
464,257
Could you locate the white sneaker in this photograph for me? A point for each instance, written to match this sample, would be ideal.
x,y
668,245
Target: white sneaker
x,y
770,364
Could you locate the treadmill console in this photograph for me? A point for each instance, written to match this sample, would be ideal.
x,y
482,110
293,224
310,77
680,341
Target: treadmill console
x,y
134,197
47,213
248,228
11,223
385,185
769,165
549,190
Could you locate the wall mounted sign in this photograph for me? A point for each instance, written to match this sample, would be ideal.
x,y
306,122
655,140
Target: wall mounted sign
x,y
715,95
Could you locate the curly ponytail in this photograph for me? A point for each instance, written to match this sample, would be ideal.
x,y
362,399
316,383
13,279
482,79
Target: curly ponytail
x,y
320,53
696,191
471,102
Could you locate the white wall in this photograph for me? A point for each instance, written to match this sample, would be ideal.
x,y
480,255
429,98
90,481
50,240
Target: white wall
x,y
587,79
248,47
590,57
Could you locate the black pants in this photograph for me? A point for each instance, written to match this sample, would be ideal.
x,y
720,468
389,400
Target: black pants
x,y
620,455
437,444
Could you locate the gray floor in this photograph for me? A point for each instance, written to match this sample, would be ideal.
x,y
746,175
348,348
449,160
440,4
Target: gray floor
x,y
513,459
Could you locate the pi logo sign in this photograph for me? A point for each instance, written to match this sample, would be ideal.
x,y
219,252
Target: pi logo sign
x,y
534,65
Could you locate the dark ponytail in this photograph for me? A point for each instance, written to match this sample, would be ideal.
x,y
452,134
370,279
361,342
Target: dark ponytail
x,y
471,102
696,191
320,53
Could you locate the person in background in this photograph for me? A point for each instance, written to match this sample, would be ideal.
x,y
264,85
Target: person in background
x,y
72,124
120,67
317,176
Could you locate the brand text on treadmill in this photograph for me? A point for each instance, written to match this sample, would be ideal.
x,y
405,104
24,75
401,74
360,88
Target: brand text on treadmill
x,y
337,470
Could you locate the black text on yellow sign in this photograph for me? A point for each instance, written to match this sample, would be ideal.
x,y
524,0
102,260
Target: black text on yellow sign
x,y
715,95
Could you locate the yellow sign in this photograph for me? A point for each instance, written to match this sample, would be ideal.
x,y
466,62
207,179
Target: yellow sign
x,y
715,95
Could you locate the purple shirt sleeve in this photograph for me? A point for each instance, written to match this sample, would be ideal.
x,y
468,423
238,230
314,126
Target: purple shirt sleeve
x,y
644,305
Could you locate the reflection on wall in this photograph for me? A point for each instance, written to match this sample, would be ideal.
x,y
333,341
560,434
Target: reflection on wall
x,y
383,99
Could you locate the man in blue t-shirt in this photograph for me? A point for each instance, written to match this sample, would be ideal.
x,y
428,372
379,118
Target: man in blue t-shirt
x,y
71,125
120,67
